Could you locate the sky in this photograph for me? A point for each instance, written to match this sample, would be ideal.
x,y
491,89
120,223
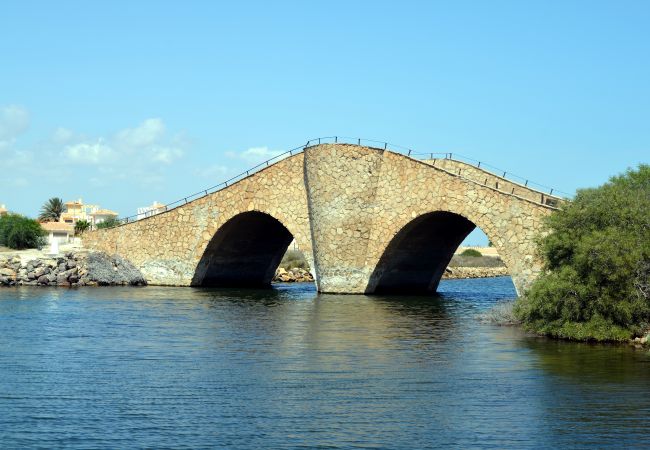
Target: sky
x,y
122,103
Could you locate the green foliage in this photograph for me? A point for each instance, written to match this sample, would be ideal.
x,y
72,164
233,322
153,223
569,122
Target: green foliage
x,y
109,223
597,258
471,252
294,259
51,210
81,226
19,232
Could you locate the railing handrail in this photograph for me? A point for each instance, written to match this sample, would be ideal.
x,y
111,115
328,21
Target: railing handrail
x,y
339,140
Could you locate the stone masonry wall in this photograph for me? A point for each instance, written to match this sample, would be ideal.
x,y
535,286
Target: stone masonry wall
x,y
168,247
349,201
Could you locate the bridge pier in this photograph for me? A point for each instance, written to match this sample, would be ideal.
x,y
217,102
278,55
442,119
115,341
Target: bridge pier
x,y
341,187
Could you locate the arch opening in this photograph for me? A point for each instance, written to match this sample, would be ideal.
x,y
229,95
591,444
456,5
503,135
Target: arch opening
x,y
244,252
416,258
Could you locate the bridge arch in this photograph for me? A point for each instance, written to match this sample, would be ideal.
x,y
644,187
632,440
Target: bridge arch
x,y
244,251
416,257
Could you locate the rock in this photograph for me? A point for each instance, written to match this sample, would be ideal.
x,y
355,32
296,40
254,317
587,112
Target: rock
x,y
6,272
74,269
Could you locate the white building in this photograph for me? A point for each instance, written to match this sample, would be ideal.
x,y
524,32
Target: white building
x,y
101,215
148,211
60,231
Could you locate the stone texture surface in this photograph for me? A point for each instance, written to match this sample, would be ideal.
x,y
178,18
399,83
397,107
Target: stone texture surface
x,y
71,270
343,204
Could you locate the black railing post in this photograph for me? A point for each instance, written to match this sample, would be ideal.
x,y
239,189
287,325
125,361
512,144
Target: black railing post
x,y
336,139
526,183
504,175
409,153
359,141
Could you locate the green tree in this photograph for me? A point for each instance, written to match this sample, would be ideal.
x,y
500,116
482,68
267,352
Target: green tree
x,y
471,252
597,258
19,232
51,210
81,226
109,223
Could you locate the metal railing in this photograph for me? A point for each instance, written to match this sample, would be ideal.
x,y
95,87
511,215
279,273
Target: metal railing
x,y
382,145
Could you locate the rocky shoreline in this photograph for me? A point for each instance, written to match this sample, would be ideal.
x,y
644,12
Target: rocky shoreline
x,y
474,272
71,270
99,269
297,275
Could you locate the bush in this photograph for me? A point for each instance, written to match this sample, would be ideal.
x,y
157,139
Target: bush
x,y
471,252
81,226
293,259
597,258
19,232
109,223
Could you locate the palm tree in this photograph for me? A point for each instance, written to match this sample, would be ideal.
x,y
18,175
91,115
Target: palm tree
x,y
51,210
81,226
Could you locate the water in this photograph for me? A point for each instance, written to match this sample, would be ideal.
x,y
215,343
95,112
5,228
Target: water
x,y
287,368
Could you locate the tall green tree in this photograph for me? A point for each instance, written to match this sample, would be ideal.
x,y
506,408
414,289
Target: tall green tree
x,y
597,257
51,210
19,232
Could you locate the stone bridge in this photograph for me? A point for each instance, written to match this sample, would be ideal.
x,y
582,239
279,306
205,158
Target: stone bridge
x,y
368,220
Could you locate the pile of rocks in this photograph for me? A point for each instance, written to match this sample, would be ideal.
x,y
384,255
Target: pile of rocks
x,y
474,272
295,275
73,269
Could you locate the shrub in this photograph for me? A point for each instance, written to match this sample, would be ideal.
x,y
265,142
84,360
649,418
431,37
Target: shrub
x,y
471,252
19,232
597,258
81,226
109,223
293,259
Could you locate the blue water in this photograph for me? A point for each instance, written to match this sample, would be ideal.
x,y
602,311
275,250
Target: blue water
x,y
288,368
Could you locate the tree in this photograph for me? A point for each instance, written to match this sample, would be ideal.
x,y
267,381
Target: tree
x,y
81,226
597,261
19,232
51,210
109,223
472,252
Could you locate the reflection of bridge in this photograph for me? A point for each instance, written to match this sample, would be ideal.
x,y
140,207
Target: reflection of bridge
x,y
369,220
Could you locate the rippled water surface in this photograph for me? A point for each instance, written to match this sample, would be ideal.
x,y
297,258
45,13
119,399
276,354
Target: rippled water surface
x,y
285,368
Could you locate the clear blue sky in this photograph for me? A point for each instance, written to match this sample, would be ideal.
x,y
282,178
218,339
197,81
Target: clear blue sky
x,y
123,103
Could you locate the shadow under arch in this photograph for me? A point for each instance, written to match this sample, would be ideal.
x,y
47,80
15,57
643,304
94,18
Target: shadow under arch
x,y
416,258
244,252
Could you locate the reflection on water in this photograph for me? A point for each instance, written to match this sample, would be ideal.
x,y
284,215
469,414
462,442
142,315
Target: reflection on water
x,y
168,367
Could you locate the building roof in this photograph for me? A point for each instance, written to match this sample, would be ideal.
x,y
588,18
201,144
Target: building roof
x,y
104,212
57,226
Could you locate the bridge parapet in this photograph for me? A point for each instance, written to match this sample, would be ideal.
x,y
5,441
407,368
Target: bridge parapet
x,y
500,183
